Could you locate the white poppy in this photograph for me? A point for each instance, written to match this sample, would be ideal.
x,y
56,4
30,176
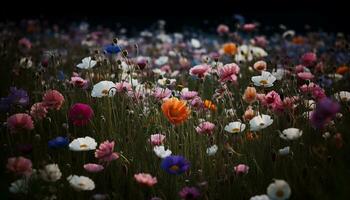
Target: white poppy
x,y
87,63
161,152
260,122
266,79
103,88
166,81
260,197
212,150
195,43
279,190
342,96
279,73
81,183
19,186
284,151
235,127
50,173
83,144
291,134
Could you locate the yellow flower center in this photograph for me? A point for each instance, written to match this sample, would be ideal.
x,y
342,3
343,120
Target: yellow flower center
x,y
264,82
174,168
105,92
83,146
279,193
235,130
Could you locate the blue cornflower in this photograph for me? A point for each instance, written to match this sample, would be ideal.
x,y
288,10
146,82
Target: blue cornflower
x,y
111,49
175,164
58,142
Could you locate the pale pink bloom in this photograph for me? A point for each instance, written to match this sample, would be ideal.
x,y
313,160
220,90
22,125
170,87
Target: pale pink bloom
x,y
249,27
38,111
166,69
197,103
20,165
93,168
299,68
200,70
161,93
145,179
316,91
223,29
105,152
25,42
53,99
241,169
289,102
188,95
260,65
205,128
273,101
308,59
19,122
260,41
305,75
123,86
77,81
157,139
228,72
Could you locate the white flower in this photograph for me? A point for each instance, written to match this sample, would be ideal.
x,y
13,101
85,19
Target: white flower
x,y
342,96
248,53
103,88
158,71
235,127
260,197
161,152
279,190
266,79
195,43
50,173
258,52
310,104
212,150
284,151
291,134
260,122
335,77
162,60
166,81
80,183
279,73
19,186
87,63
83,144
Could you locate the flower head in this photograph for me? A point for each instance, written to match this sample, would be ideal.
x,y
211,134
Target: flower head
x,y
228,72
50,173
93,168
157,139
145,179
235,127
103,88
279,190
53,99
20,122
175,164
161,152
291,134
265,80
105,152
20,165
205,128
188,193
80,114
200,70
58,142
241,169
38,111
87,63
81,183
175,110
260,122
83,144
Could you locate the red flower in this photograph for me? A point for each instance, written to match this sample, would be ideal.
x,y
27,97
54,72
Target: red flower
x,y
20,121
80,114
53,99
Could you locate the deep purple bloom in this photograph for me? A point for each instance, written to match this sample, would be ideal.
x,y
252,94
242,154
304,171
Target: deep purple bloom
x,y
325,111
58,142
175,164
188,193
18,96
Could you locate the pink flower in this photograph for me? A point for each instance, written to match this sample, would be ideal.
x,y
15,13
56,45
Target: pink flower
x,y
260,41
123,86
166,69
197,103
19,122
273,101
228,72
305,75
25,42
249,27
105,152
241,169
80,114
260,65
53,99
200,70
157,139
188,95
38,111
93,168
205,128
289,102
316,91
161,93
79,82
20,165
145,179
223,29
299,68
308,59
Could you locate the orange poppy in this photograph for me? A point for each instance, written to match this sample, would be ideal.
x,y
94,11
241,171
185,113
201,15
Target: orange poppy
x,y
209,105
342,70
230,48
175,110
249,95
298,40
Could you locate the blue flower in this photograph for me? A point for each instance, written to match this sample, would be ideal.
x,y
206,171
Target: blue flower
x,y
111,49
175,164
18,96
58,142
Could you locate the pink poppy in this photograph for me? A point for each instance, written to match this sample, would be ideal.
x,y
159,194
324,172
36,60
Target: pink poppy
x,y
309,59
19,122
157,139
205,128
38,111
77,81
105,152
228,72
200,70
93,168
305,75
80,114
20,165
145,179
53,99
123,86
223,29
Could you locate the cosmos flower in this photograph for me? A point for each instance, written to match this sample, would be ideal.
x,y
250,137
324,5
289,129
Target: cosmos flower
x,y
291,134
50,173
80,114
93,168
20,165
87,63
53,99
235,127
58,142
175,164
145,179
188,95
205,128
260,122
157,139
103,88
161,152
20,122
175,110
81,183
83,144
265,80
200,70
241,169
105,152
279,190
228,72
162,93
188,193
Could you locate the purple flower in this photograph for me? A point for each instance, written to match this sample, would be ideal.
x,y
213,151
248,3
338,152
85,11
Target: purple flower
x,y
18,96
175,164
325,111
188,193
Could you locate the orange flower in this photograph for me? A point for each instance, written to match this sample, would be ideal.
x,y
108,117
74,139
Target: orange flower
x,y
298,40
249,95
230,48
249,114
342,70
209,105
175,110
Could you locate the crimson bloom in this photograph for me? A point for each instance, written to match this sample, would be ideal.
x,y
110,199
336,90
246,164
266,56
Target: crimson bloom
x,y
80,114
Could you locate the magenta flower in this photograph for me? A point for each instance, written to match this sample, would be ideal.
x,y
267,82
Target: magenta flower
x,y
53,99
105,152
309,59
200,70
205,128
241,169
93,168
80,114
38,111
20,165
79,82
188,193
157,139
228,73
20,122
305,75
